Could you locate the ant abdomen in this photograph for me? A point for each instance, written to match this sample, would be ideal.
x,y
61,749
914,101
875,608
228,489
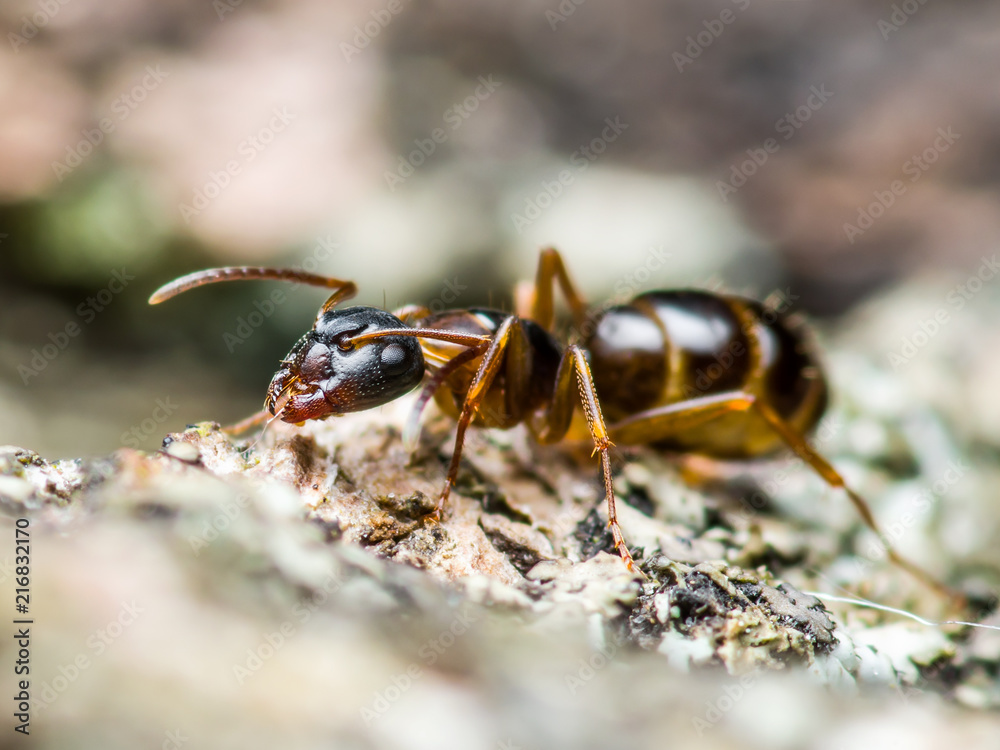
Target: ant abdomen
x,y
666,347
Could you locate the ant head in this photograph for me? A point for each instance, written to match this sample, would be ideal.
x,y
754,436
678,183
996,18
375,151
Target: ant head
x,y
325,374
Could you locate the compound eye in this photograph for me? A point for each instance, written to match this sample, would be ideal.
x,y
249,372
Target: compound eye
x,y
394,360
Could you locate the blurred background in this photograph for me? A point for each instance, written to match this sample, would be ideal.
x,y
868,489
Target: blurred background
x,y
427,150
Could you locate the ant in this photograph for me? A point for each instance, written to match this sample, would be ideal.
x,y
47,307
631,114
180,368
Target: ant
x,y
653,365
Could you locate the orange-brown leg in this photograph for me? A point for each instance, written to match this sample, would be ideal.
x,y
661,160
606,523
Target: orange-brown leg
x,y
666,421
477,343
795,440
254,420
409,314
660,424
411,431
557,420
537,302
488,369
509,339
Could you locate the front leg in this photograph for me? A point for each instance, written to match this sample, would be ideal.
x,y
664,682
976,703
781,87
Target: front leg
x,y
488,369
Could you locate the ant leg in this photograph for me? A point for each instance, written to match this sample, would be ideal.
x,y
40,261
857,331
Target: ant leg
x,y
794,439
488,369
667,421
255,420
557,421
536,302
508,338
411,432
477,345
664,422
410,314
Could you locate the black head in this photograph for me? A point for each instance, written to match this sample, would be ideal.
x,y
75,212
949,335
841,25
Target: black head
x,y
325,374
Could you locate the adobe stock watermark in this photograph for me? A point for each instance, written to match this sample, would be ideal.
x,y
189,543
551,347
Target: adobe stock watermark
x,y
901,13
454,117
6,569
705,38
97,643
451,290
223,8
915,167
756,502
429,652
626,287
31,25
786,126
957,298
780,304
580,159
731,694
87,311
565,9
588,668
275,640
213,528
920,506
631,282
249,149
174,740
247,325
366,32
141,432
122,106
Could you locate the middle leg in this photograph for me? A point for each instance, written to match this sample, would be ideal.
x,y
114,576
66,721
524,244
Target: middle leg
x,y
556,422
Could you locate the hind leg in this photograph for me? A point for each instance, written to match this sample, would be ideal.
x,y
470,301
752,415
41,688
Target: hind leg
x,y
536,301
664,422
